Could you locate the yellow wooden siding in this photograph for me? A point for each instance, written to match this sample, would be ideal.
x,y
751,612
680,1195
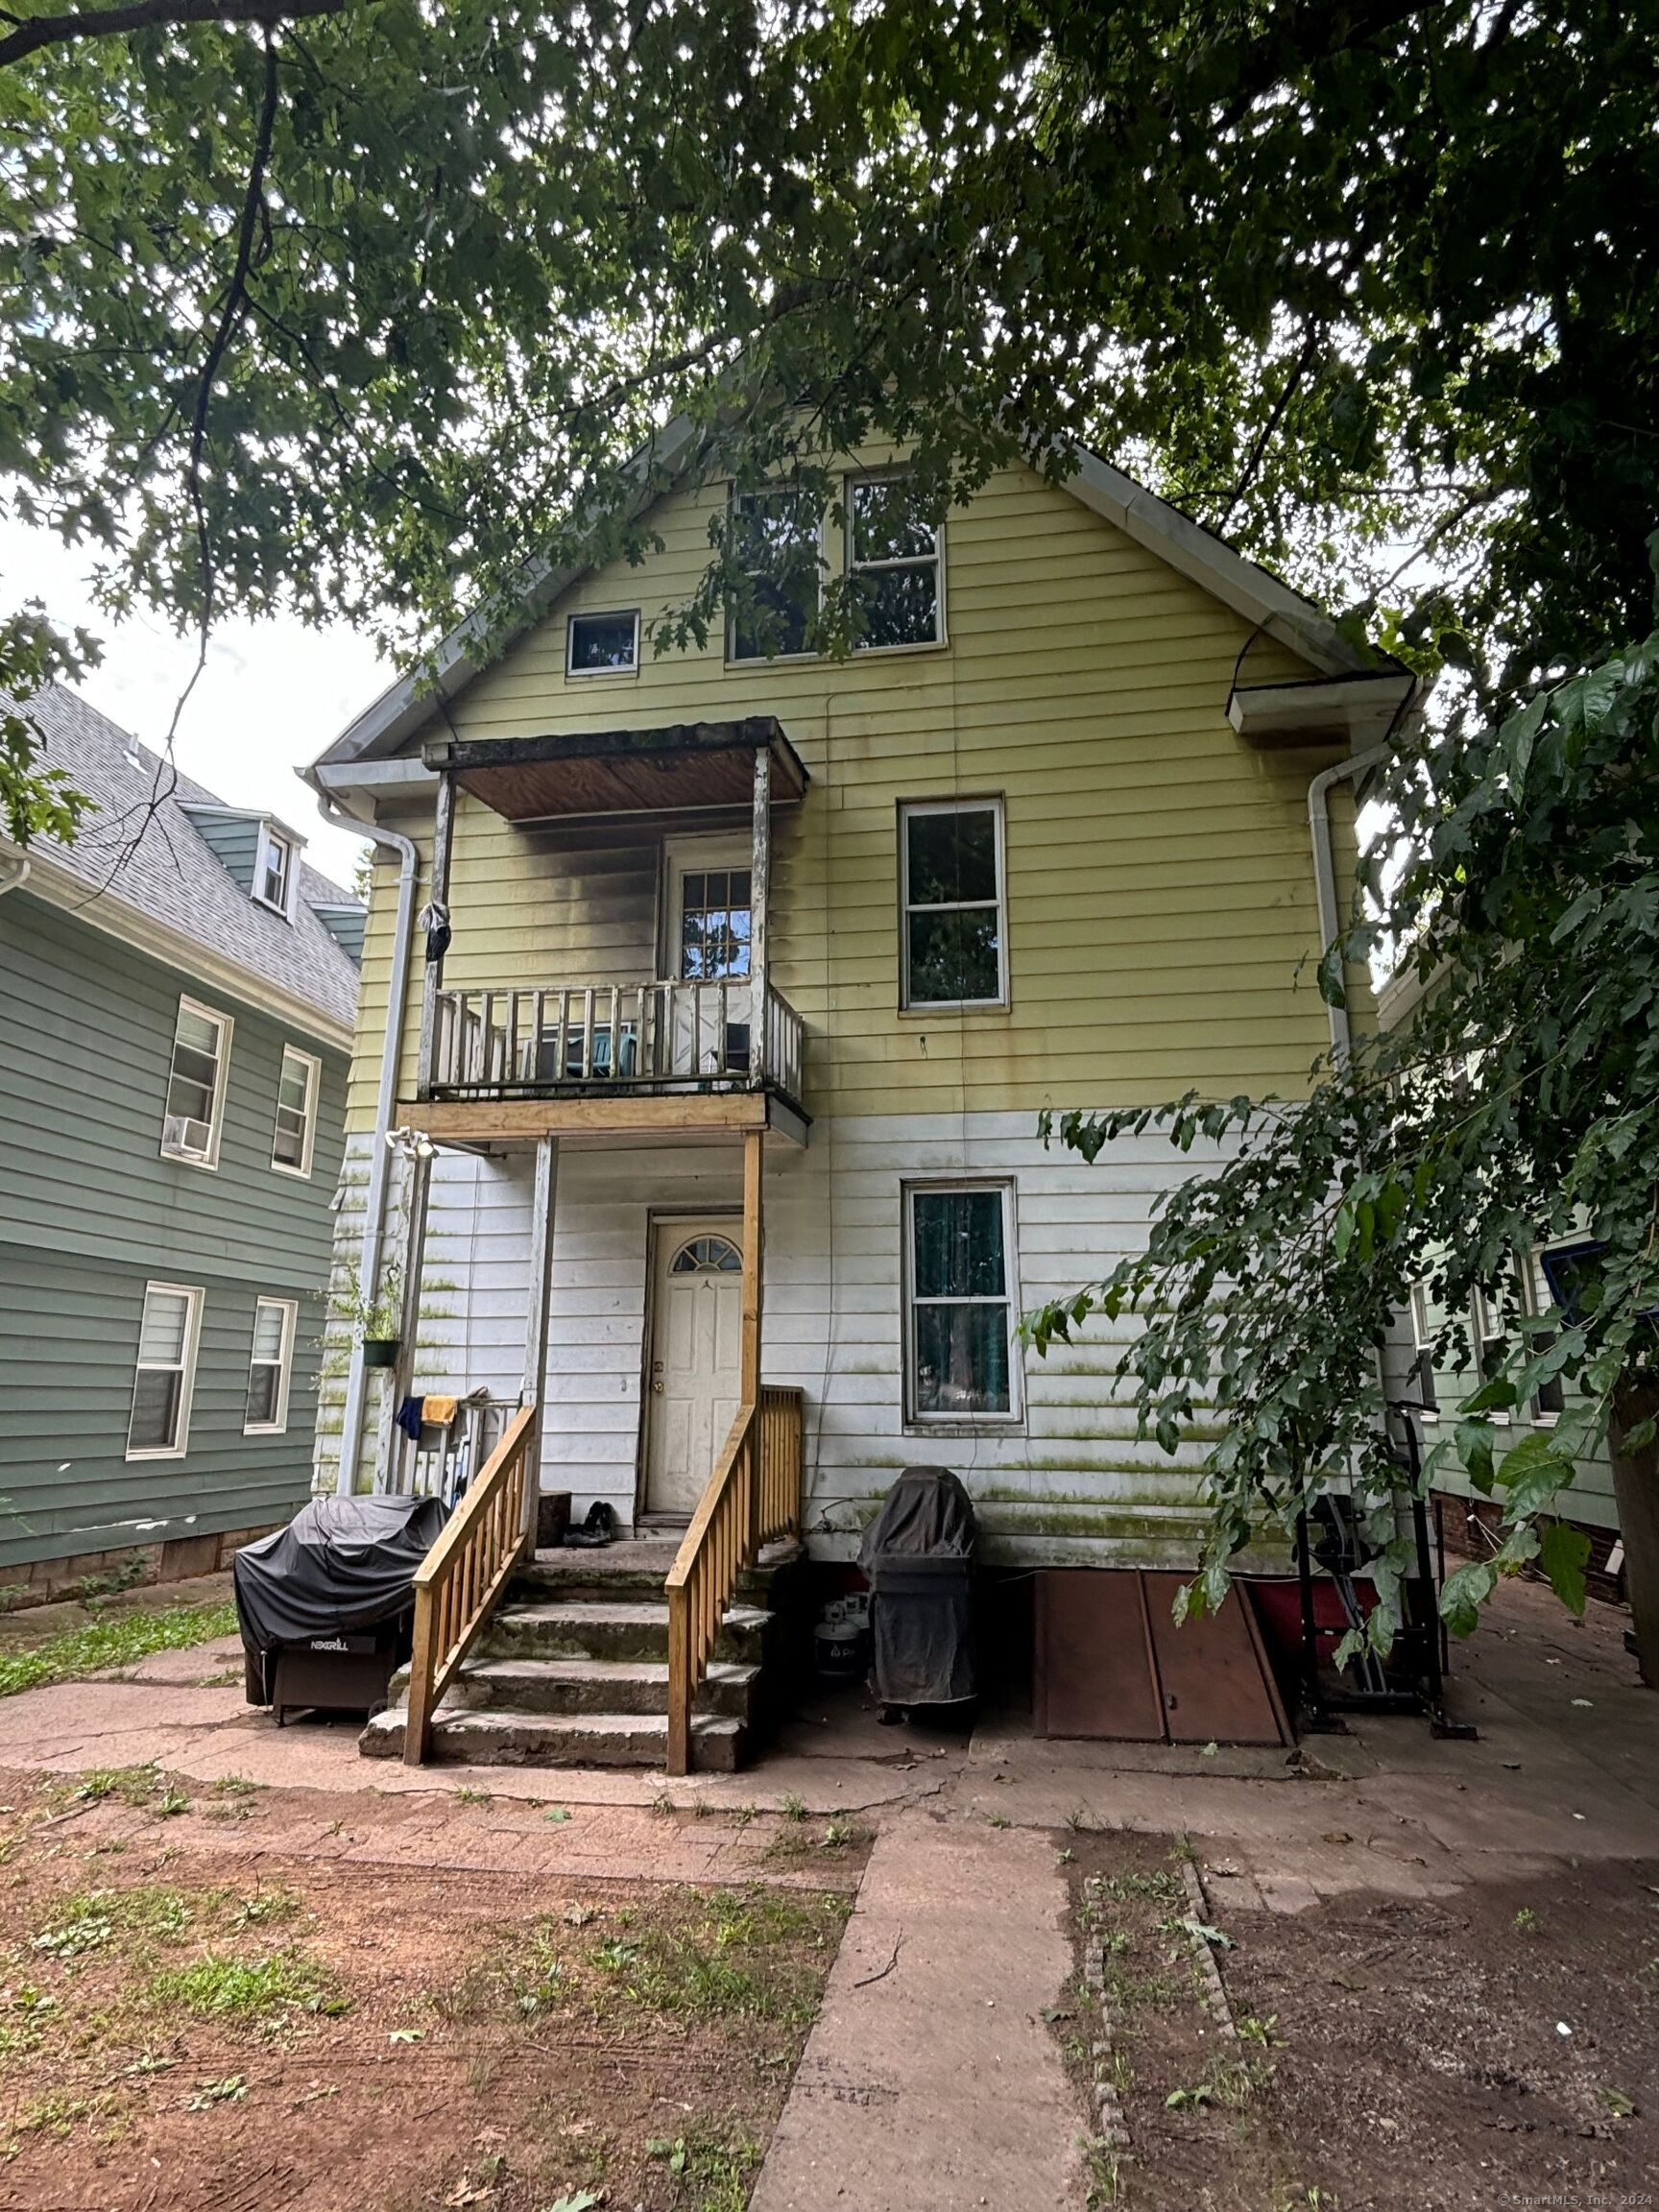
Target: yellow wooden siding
x,y
1160,885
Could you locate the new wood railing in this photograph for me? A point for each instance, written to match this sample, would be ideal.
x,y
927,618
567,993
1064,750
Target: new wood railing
x,y
457,1584
752,1499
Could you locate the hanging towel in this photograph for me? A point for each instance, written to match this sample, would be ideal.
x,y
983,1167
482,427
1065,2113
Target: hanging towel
x,y
440,1412
410,1416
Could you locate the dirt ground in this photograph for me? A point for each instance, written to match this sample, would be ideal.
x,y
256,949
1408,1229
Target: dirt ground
x,y
198,2015
1497,2047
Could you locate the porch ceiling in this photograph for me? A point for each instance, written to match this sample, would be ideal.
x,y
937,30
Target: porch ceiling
x,y
681,764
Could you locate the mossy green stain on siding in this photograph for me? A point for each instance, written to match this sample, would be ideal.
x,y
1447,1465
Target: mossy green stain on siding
x,y
233,840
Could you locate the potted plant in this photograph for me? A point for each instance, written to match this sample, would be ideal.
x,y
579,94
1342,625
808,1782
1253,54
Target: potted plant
x,y
374,1320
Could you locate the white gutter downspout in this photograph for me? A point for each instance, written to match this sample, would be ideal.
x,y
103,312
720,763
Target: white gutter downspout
x,y
1325,869
380,1157
13,874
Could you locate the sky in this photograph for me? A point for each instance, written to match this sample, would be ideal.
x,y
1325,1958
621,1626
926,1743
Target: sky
x,y
272,696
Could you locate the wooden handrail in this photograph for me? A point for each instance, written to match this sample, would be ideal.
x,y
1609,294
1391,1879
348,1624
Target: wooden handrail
x,y
753,1498
457,1584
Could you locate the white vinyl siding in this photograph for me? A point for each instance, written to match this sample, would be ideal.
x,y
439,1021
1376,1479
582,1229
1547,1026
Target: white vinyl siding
x,y
295,1136
270,1367
164,1374
194,1115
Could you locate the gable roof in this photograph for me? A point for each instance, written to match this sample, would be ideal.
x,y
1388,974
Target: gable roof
x,y
140,859
1251,590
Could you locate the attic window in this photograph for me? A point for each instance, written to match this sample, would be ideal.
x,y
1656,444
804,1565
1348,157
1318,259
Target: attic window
x,y
274,871
602,644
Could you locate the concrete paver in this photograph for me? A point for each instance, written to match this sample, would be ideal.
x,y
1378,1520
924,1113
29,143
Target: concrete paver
x,y
931,2082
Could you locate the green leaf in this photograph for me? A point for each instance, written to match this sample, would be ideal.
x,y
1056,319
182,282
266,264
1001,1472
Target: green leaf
x,y
1531,1474
1463,1593
1563,1553
1475,1447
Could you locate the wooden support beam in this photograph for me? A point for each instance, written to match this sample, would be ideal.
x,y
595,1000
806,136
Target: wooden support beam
x,y
749,1343
436,895
537,1301
687,1113
760,890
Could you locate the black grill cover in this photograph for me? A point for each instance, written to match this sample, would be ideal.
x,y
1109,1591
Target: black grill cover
x,y
918,1556
341,1564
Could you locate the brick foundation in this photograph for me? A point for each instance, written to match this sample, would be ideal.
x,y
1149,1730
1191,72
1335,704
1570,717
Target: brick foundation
x,y
46,1582
1474,1530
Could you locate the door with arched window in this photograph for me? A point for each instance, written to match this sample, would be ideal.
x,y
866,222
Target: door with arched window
x,y
693,1379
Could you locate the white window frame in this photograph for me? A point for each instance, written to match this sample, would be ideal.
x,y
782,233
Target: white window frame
x,y
1485,1326
312,1066
737,659
1537,1300
856,567
961,1424
1422,1344
289,1308
600,614
208,1156
909,809
192,1293
270,837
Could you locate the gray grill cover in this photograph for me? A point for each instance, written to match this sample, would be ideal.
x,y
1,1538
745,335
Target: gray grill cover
x,y
341,1564
918,1556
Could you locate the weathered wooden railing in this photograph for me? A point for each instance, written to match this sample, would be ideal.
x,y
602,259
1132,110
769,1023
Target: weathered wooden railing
x,y
498,1042
457,1584
753,1498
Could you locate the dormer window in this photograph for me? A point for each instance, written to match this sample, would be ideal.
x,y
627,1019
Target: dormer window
x,y
274,871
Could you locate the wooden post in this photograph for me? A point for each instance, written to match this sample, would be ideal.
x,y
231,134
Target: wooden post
x,y
536,1308
748,1343
760,894
393,1447
679,1680
437,891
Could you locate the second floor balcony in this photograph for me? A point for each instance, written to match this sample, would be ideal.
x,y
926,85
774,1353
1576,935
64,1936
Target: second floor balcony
x,y
597,1038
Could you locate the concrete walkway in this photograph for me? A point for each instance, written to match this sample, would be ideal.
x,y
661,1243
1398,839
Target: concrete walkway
x,y
931,2082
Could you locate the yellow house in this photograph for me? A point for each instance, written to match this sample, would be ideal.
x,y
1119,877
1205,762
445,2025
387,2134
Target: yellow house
x,y
715,993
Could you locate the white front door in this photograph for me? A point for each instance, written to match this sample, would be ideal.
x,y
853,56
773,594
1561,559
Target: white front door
x,y
696,1325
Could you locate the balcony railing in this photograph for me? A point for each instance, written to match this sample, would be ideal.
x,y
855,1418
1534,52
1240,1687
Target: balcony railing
x,y
610,1037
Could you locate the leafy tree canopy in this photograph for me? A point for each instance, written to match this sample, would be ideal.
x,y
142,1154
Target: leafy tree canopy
x,y
358,306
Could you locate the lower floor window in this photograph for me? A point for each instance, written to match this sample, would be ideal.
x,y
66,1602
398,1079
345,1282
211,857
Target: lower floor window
x,y
960,1322
267,1369
159,1426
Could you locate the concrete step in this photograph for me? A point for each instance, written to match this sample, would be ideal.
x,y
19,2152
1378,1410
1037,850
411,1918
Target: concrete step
x,y
576,1686
611,1628
513,1738
586,1574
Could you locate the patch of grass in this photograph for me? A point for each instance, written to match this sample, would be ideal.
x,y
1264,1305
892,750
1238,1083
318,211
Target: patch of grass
x,y
717,1964
117,1641
792,1807
713,2174
95,1918
217,1987
467,1796
1526,1922
134,1785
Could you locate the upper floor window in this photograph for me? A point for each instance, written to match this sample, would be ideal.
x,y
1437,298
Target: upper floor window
x,y
295,1111
954,950
893,556
196,1085
778,540
274,870
164,1377
270,1366
602,644
960,1273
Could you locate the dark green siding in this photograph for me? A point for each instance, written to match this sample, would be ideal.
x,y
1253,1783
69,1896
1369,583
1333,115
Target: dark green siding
x,y
233,840
89,1210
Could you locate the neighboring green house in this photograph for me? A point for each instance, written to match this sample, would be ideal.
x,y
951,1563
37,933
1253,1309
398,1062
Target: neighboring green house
x,y
176,991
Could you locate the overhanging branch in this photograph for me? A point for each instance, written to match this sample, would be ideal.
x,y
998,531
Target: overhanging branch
x,y
35,32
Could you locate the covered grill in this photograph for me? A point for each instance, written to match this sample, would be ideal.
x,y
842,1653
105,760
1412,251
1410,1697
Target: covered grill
x,y
325,1604
918,1555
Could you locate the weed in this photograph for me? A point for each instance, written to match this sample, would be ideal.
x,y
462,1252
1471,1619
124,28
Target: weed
x,y
265,1909
1526,1922
1181,1850
52,2114
1066,1856
997,1820
171,1803
663,1806
87,1589
1157,1887
228,2090
740,1815
715,2171
216,1987
94,1918
220,1681
466,1796
1263,2033
126,1637
235,1786
1621,2107
1103,2179
791,1807
718,1965
1080,1821
134,1785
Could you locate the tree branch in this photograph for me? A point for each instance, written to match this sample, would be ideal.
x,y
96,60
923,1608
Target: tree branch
x,y
34,32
